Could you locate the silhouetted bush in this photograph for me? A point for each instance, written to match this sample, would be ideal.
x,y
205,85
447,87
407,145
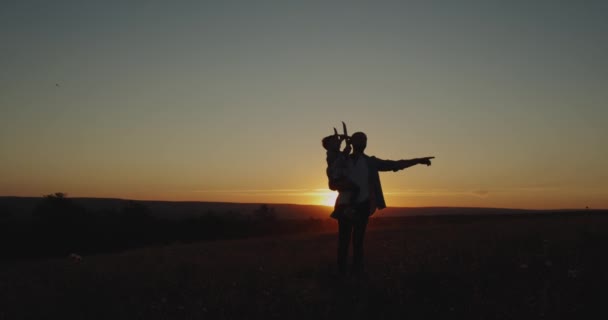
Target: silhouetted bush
x,y
58,210
60,224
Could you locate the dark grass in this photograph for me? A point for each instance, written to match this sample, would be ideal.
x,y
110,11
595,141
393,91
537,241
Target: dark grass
x,y
510,267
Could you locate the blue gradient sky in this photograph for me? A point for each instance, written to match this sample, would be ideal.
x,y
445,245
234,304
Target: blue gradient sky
x,y
228,100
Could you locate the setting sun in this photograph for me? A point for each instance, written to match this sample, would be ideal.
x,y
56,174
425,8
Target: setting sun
x,y
327,198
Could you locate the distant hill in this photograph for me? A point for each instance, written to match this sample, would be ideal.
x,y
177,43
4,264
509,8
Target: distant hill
x,y
426,211
21,207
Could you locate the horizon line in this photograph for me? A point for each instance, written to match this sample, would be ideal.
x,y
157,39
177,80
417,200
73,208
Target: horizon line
x,y
315,205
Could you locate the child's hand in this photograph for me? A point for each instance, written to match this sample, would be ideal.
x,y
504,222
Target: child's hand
x,y
348,148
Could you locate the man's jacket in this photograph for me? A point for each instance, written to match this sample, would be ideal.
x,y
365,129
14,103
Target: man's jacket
x,y
375,165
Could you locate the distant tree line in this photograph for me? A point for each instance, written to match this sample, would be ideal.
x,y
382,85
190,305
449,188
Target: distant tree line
x,y
60,226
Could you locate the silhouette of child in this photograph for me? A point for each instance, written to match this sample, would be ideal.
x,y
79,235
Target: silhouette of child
x,y
337,174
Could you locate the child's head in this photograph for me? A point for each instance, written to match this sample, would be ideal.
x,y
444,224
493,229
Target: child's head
x,y
331,143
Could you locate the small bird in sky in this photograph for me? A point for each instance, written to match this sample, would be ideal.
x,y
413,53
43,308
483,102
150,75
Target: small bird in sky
x,y
56,84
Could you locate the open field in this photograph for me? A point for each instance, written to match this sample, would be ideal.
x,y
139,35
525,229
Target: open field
x,y
481,267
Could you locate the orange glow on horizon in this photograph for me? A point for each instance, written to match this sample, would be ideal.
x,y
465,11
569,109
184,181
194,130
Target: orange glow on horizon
x,y
327,198
516,198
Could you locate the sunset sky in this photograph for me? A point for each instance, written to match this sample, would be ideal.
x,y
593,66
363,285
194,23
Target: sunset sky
x,y
228,100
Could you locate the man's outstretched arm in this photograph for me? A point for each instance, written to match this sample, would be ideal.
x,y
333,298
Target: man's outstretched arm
x,y
392,165
412,162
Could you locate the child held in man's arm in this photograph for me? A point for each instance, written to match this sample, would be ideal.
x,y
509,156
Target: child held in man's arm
x,y
338,175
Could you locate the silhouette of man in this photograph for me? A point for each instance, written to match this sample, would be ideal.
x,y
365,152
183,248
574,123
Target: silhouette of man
x,y
364,172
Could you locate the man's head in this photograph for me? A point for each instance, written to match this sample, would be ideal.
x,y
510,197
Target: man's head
x,y
331,143
359,141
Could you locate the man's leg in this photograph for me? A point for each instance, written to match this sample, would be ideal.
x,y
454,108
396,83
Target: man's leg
x,y
345,228
359,226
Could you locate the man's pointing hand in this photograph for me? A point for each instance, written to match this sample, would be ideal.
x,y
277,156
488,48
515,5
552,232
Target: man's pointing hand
x,y
426,160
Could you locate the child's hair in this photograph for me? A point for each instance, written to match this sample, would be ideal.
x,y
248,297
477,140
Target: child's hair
x,y
331,142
